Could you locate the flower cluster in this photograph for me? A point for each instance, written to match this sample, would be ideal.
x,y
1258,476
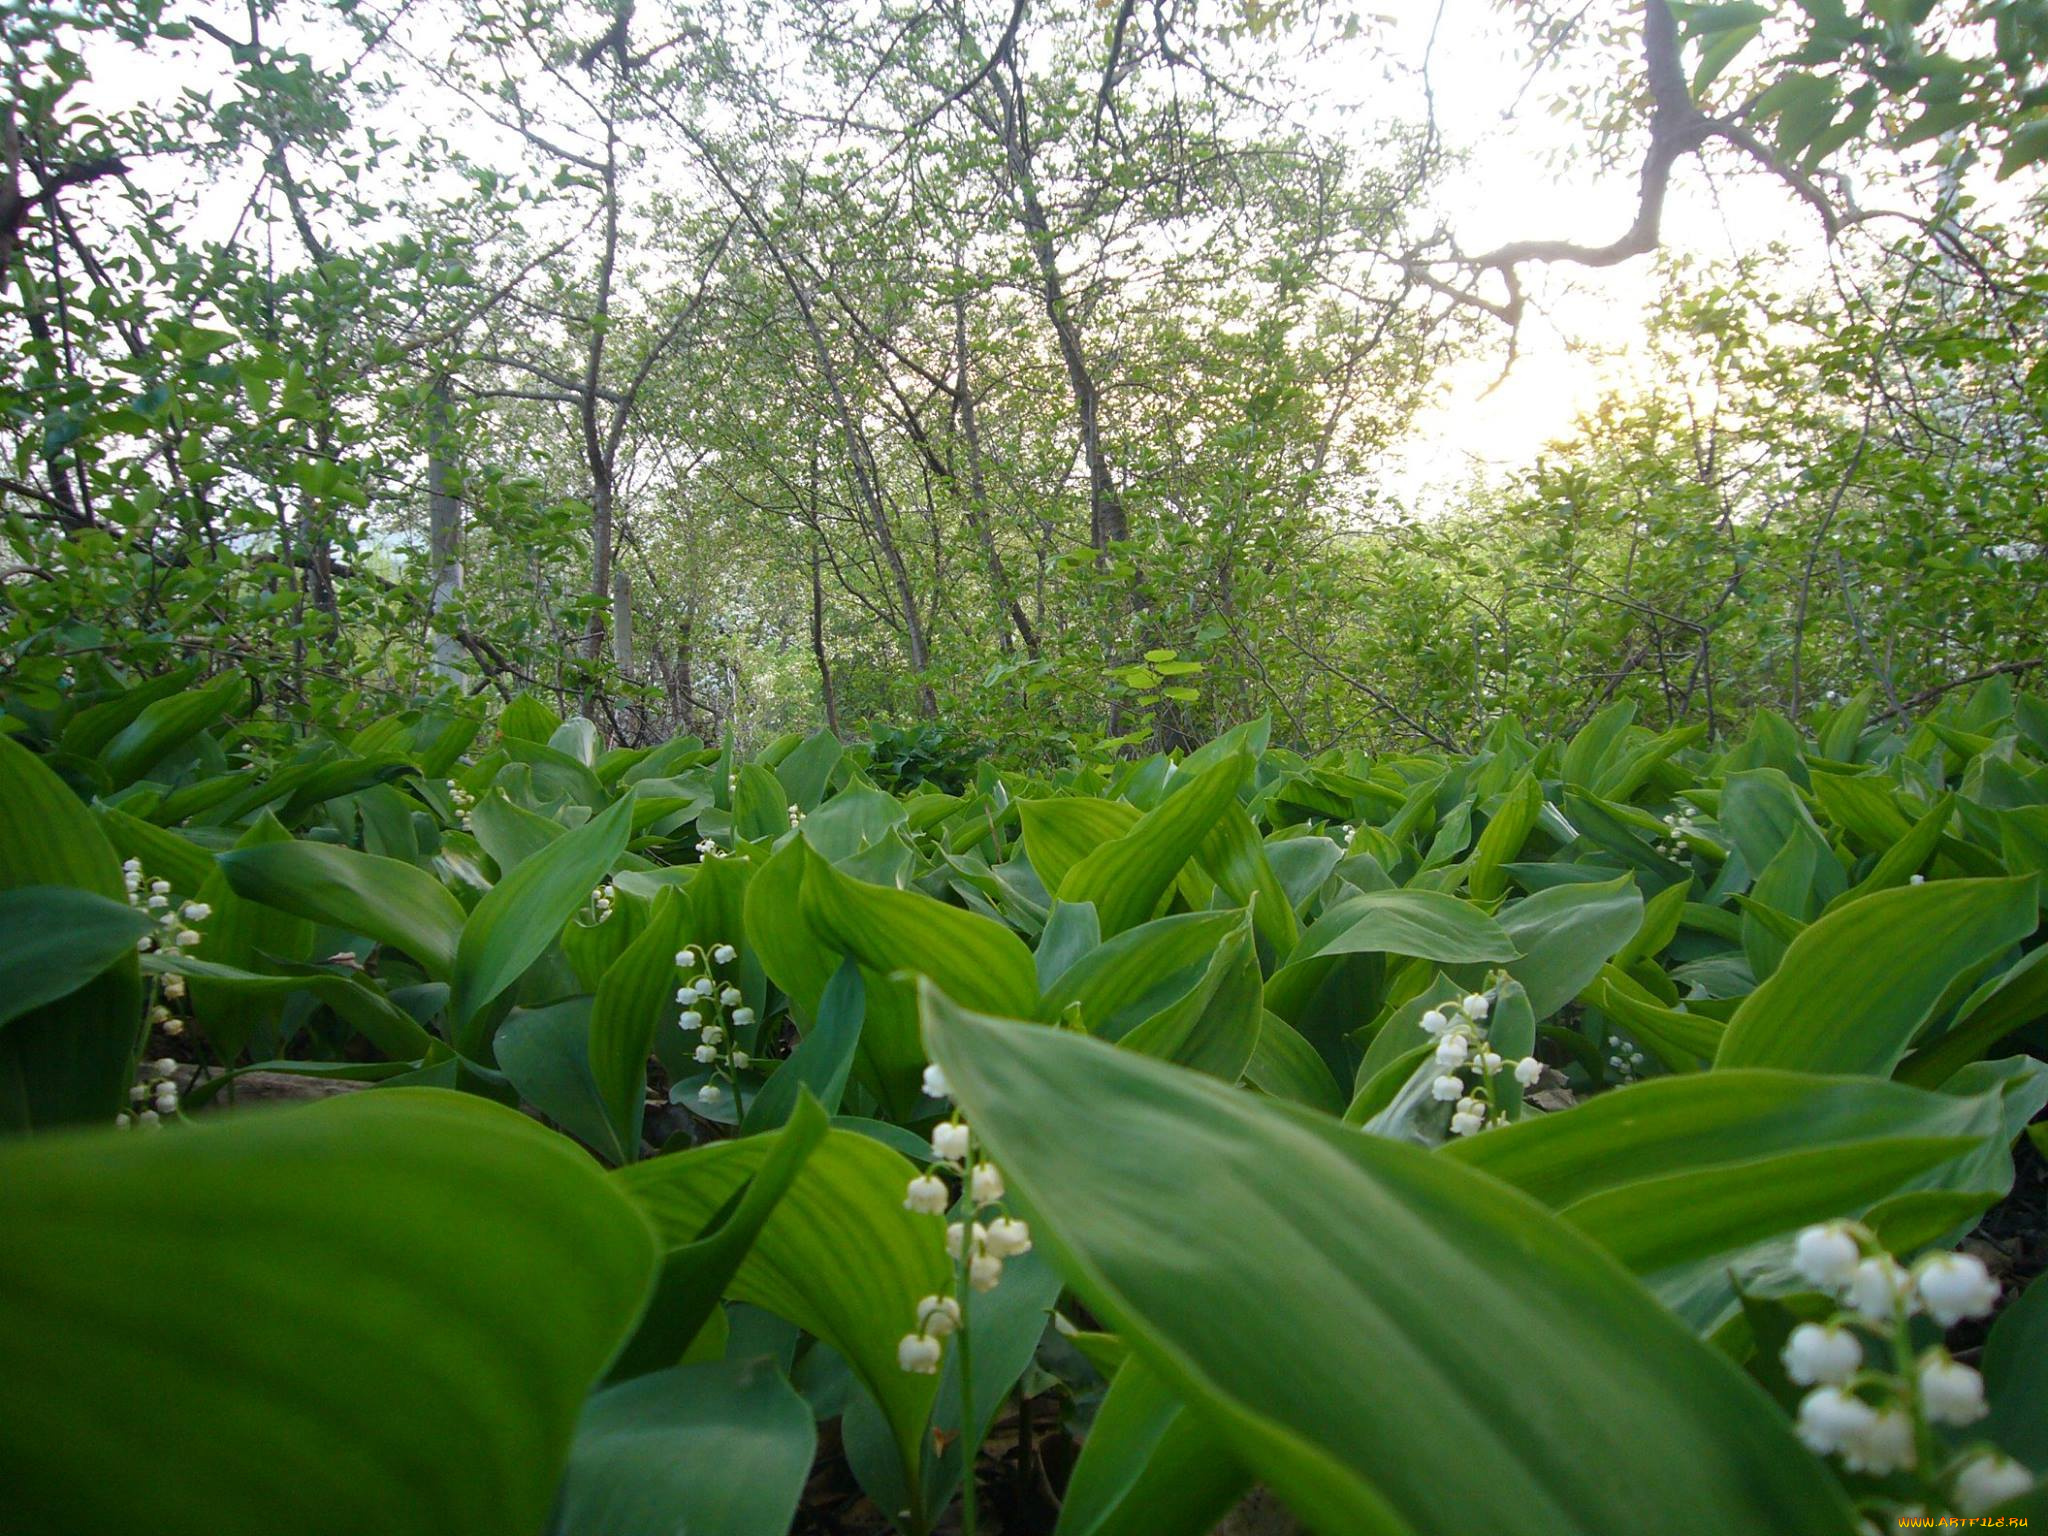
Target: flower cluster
x,y
1877,1421
796,816
463,801
177,931
1678,827
978,1247
715,1011
176,919
601,902
1624,1060
707,848
1461,1049
158,1090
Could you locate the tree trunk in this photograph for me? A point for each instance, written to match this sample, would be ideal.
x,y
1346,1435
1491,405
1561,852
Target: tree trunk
x,y
825,688
444,528
977,493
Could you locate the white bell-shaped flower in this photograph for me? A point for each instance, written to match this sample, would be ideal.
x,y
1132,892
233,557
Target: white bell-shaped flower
x,y
1950,1391
919,1354
1447,1088
926,1195
1987,1481
950,1141
725,954
1528,1071
938,1316
1827,1256
1007,1237
985,1183
1955,1286
1820,1354
1830,1419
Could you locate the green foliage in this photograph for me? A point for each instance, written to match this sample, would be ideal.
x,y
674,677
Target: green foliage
x,y
1226,1133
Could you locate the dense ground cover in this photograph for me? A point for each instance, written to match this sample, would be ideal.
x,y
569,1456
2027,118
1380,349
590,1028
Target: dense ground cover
x,y
1580,1134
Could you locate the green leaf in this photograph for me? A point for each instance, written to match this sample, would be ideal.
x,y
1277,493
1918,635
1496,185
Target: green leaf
x,y
1129,876
70,1061
546,1053
2001,1005
1597,741
1351,1261
823,1059
889,932
352,997
1286,1066
1855,988
1058,834
635,998
470,1274
527,719
1682,1169
1427,925
1150,1466
1566,934
245,934
718,1449
694,1274
168,724
1506,831
524,912
56,938
1118,985
2016,1379
839,1256
807,771
1235,857
395,903
1214,1027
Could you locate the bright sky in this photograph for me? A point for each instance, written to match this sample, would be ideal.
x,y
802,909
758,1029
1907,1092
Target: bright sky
x,y
1580,323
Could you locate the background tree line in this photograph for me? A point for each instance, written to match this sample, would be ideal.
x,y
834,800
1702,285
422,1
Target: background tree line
x,y
1028,369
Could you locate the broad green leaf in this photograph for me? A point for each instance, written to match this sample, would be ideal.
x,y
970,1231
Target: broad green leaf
x,y
168,724
68,1062
395,903
1352,1261
1683,1168
353,997
527,719
91,729
525,912
1286,1066
1128,876
1566,934
1855,988
56,938
510,834
2001,1005
247,935
1060,833
718,1449
470,1274
1120,984
696,1273
1214,1027
807,770
823,1059
1428,925
1151,1466
635,999
2016,1379
839,1256
1235,857
890,932
1506,831
546,1054
1597,741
